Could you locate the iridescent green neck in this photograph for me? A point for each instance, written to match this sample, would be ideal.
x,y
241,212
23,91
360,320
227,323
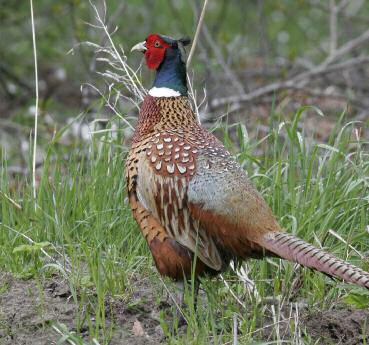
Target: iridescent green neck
x,y
172,72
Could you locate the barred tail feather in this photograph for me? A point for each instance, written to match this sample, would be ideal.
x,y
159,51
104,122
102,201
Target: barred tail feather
x,y
293,249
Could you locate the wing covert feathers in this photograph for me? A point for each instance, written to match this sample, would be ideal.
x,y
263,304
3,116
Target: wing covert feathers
x,y
294,249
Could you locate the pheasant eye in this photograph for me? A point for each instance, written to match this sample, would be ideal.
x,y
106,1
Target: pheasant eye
x,y
157,44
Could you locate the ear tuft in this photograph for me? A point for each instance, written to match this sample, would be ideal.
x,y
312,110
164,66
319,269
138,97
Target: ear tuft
x,y
182,42
185,41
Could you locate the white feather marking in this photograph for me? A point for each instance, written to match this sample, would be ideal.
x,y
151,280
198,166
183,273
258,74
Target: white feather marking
x,y
161,193
142,199
174,222
186,221
183,190
170,168
166,219
163,92
181,169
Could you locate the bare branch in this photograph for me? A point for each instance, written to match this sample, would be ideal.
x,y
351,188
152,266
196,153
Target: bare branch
x,y
341,6
296,82
333,26
218,55
337,59
348,47
193,47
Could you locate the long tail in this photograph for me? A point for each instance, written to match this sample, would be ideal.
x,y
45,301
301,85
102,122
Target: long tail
x,y
293,249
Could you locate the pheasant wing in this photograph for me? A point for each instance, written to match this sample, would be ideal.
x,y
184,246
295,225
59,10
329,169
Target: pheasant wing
x,y
164,171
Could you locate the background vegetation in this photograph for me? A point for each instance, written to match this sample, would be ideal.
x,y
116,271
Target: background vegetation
x,y
269,70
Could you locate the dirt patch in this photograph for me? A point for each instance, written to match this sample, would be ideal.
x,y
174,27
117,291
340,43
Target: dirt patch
x,y
28,309
339,326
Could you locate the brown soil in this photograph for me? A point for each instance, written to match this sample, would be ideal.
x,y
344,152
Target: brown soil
x,y
28,309
339,326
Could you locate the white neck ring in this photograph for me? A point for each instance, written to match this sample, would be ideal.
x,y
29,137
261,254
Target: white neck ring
x,y
163,92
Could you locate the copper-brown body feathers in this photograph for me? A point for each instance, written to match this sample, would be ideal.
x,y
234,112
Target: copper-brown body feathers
x,y
191,198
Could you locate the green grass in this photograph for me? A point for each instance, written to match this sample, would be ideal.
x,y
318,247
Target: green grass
x,y
83,223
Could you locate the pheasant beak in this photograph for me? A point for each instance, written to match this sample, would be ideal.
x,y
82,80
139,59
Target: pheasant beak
x,y
141,47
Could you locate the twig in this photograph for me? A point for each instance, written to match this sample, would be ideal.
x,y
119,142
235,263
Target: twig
x,y
329,64
296,82
333,26
348,47
36,105
341,6
235,330
322,70
193,47
218,55
197,33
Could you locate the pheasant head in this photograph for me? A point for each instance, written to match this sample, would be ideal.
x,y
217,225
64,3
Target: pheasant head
x,y
166,56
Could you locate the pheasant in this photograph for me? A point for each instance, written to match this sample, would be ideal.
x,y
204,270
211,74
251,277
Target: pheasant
x,y
190,197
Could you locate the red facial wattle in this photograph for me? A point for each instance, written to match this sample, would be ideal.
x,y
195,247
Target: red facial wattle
x,y
155,52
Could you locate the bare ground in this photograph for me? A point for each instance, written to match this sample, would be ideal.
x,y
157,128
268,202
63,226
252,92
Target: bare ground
x,y
339,326
29,308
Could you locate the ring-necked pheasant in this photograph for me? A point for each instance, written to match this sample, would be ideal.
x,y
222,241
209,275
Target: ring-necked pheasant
x,y
189,195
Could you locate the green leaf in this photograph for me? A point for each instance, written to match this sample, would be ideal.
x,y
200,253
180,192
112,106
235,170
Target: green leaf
x,y
358,300
31,248
243,136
